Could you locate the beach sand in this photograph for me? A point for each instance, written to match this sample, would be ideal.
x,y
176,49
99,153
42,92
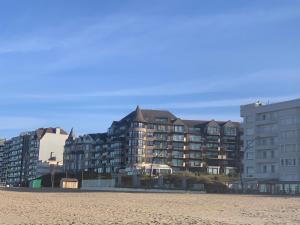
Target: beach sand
x,y
139,208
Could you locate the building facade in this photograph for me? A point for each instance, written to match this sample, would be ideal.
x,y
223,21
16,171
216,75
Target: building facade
x,y
86,153
2,170
272,146
147,137
25,157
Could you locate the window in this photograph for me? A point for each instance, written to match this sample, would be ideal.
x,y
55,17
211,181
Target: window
x,y
177,137
151,126
273,168
162,127
288,134
288,162
249,170
272,154
264,154
250,155
195,129
177,162
266,116
177,154
194,138
178,145
249,119
213,130
290,148
136,142
161,120
178,129
137,125
264,169
288,120
195,146
137,134
267,128
230,131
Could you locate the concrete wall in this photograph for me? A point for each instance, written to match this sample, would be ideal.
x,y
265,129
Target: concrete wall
x,y
97,184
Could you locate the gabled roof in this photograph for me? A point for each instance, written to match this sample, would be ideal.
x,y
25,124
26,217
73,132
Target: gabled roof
x,y
213,123
178,122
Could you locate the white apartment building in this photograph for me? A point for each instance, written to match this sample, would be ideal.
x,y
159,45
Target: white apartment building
x,y
272,146
26,156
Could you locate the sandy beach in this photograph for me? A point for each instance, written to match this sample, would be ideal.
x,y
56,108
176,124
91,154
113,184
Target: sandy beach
x,y
139,208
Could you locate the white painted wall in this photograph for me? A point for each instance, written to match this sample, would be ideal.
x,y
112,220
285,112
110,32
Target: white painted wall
x,y
52,143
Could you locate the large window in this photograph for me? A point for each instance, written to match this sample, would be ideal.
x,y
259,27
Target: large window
x,y
230,131
161,120
178,129
177,137
137,134
194,129
195,155
177,154
195,146
177,162
288,162
195,138
137,125
213,130
178,145
289,148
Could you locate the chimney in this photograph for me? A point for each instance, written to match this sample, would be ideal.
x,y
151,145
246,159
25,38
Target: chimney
x,y
57,130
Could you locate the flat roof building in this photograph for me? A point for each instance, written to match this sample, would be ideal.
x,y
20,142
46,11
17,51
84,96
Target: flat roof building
x,y
26,157
271,146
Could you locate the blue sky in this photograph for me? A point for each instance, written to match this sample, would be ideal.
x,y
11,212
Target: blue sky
x,y
83,64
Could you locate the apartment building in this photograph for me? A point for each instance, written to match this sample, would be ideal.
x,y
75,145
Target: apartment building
x,y
2,181
86,153
272,146
157,137
26,156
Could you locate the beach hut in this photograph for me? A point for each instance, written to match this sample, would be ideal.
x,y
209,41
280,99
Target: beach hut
x,y
37,183
69,183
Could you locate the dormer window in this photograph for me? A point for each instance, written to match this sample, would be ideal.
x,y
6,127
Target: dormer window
x,y
230,131
161,120
179,129
213,130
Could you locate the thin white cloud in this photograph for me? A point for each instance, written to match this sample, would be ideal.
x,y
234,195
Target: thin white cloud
x,y
18,122
205,85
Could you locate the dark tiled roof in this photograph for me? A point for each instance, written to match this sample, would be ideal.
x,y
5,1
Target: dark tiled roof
x,y
151,115
199,123
42,131
147,115
138,117
101,136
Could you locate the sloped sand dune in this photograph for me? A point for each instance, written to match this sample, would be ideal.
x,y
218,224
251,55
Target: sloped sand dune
x,y
137,208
